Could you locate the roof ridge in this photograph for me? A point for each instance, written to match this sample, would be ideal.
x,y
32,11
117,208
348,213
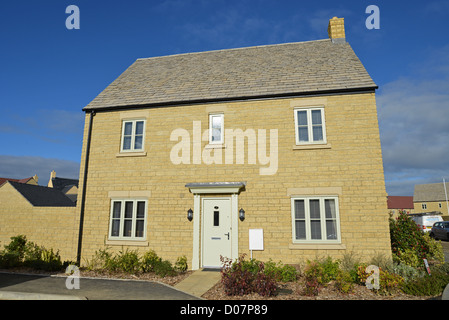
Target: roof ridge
x,y
232,49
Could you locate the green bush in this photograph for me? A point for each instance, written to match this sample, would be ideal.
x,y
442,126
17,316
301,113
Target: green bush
x,y
323,271
281,272
164,268
428,285
149,261
22,253
181,264
407,240
344,282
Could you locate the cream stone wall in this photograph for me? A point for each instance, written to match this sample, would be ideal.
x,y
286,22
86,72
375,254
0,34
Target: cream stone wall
x,y
349,166
51,227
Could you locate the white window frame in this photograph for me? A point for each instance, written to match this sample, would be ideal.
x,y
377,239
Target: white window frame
x,y
310,125
122,220
211,116
309,239
133,135
424,206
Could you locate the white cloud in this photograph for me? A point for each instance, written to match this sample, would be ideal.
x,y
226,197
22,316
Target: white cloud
x,y
413,121
19,167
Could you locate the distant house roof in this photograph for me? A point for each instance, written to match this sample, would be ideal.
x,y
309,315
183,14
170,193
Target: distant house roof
x,y
430,192
400,202
282,70
3,180
63,183
40,196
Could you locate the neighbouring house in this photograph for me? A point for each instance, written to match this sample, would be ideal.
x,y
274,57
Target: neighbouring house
x,y
431,198
67,186
270,150
44,215
400,203
31,180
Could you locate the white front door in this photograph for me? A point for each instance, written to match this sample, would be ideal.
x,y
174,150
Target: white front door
x,y
216,231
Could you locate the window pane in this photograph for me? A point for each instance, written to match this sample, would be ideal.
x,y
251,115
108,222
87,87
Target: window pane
x,y
116,210
216,122
216,218
299,209
138,142
127,228
126,143
302,118
216,135
300,230
317,133
141,210
315,229
115,228
316,116
139,127
331,230
329,207
139,228
128,210
303,133
128,128
314,209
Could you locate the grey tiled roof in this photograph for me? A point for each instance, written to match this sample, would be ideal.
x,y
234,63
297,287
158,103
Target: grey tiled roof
x,y
430,192
263,71
40,196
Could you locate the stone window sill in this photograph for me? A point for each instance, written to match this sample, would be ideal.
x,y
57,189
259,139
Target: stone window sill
x,y
316,246
312,146
131,154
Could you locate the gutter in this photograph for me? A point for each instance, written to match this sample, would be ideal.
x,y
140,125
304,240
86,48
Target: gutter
x,y
83,196
316,93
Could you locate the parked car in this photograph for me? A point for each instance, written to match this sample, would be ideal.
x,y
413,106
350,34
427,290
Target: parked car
x,y
440,230
425,222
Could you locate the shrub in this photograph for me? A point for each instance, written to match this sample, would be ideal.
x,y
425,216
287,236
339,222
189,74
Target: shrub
x,y
344,282
149,260
243,277
20,252
388,282
435,249
406,237
181,264
429,285
323,271
281,272
127,261
164,268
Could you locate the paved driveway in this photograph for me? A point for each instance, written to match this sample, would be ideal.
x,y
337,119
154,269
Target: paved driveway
x,y
92,289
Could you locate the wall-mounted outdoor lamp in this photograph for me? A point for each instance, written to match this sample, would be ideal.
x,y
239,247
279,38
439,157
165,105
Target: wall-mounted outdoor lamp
x,y
190,214
242,214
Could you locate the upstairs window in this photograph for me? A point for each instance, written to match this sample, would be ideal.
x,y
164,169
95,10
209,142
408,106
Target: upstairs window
x,y
216,128
310,126
133,135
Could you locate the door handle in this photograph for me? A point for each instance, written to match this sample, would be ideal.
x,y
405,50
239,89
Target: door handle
x,y
227,234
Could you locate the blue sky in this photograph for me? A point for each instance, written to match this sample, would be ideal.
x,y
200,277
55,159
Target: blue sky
x,y
49,73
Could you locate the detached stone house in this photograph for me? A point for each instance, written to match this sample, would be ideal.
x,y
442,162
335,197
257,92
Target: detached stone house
x,y
185,154
431,198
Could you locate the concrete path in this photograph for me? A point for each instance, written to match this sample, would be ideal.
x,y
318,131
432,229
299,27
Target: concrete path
x,y
199,282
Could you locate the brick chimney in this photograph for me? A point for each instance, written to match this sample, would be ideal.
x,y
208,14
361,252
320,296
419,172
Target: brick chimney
x,y
52,176
336,30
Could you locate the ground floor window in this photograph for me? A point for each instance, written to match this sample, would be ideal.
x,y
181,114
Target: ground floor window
x,y
128,219
315,219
